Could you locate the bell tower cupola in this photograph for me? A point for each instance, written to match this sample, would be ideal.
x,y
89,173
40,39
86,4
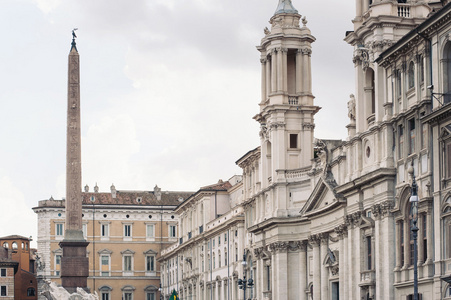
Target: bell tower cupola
x,y
286,106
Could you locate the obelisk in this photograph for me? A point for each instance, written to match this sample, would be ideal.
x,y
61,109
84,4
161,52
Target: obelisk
x,y
74,263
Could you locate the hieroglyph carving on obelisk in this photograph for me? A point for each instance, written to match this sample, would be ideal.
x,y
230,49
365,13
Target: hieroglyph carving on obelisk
x,y
73,156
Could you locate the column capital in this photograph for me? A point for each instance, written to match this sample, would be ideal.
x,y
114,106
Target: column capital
x,y
263,60
376,211
278,247
341,230
386,206
305,51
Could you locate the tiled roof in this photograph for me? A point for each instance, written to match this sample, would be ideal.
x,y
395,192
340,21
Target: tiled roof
x,y
14,237
220,186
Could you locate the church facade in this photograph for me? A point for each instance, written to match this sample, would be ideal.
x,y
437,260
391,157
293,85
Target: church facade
x,y
331,219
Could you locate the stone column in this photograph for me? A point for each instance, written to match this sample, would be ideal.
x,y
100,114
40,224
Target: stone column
x,y
263,80
279,70
430,238
284,70
268,75
324,270
280,249
273,70
305,73
302,269
299,67
387,234
350,262
259,273
378,252
340,230
315,242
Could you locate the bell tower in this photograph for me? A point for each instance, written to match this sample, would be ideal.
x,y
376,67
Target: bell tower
x,y
378,25
286,107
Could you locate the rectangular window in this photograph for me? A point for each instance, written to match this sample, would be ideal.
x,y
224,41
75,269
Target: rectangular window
x,y
3,272
104,230
225,237
219,240
128,230
411,136
59,229
105,296
128,296
58,259
425,238
105,260
150,296
3,291
268,278
398,83
293,141
423,136
127,263
150,230
172,231
213,243
150,263
401,140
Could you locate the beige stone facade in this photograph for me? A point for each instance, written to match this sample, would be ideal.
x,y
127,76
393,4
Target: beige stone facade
x,y
127,231
333,220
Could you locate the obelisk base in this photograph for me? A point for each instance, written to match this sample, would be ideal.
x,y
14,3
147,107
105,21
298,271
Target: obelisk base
x,y
74,264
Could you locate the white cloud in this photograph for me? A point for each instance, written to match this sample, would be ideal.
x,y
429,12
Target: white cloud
x,y
47,6
17,217
108,149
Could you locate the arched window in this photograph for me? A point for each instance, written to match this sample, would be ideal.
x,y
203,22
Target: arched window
x,y
447,73
14,245
421,68
370,96
411,75
31,292
5,245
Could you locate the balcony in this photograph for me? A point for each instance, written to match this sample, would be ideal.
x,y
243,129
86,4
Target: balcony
x,y
367,278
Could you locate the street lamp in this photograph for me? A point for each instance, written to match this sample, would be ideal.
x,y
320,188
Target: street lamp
x,y
414,228
242,283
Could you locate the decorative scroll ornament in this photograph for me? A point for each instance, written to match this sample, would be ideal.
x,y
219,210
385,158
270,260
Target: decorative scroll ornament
x,y
362,55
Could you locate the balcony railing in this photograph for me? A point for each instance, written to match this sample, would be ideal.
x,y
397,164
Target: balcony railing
x,y
293,100
404,11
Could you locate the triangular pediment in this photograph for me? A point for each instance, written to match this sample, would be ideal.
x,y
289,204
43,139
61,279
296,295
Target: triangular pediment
x,y
323,196
445,132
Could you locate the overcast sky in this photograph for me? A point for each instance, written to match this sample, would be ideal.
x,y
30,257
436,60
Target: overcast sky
x,y
168,92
